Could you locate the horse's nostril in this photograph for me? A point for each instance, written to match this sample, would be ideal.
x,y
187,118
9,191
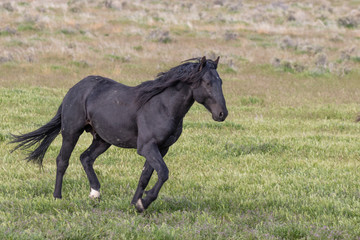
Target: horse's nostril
x,y
221,114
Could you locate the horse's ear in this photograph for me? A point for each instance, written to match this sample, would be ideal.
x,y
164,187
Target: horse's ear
x,y
216,62
202,63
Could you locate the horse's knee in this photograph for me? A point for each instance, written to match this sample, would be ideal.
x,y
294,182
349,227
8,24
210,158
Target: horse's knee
x,y
163,174
143,183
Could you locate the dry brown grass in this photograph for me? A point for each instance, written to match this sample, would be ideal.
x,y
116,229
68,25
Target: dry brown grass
x,y
56,43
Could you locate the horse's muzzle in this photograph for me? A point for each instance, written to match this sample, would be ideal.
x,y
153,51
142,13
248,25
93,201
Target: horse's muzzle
x,y
221,116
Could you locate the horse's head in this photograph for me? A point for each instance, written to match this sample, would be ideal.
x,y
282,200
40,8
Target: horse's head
x,y
208,91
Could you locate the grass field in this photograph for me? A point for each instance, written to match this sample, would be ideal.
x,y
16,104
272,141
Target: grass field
x,y
284,165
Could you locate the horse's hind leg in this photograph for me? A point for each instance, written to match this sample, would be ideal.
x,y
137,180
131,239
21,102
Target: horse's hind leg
x,y
87,158
62,161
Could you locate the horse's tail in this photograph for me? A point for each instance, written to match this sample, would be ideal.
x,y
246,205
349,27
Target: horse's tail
x,y
45,135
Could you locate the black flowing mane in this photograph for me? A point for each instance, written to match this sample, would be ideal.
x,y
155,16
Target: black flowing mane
x,y
188,73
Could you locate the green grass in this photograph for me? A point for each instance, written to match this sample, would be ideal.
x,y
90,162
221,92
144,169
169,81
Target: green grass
x,y
28,26
284,164
114,57
292,174
356,59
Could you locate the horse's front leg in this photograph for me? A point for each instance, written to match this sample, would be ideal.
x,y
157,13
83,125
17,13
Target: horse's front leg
x,y
143,182
155,161
145,178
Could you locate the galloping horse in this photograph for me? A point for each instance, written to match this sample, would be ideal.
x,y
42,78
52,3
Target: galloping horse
x,y
148,117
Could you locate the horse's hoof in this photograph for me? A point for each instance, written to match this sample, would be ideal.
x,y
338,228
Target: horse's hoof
x,y
57,197
94,194
139,206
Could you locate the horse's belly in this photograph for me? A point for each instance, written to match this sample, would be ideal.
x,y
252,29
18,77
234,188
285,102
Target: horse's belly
x,y
125,143
124,138
118,134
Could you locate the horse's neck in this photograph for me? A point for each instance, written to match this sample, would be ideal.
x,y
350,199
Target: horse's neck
x,y
178,100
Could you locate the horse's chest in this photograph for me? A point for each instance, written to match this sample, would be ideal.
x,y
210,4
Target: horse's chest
x,y
170,141
173,136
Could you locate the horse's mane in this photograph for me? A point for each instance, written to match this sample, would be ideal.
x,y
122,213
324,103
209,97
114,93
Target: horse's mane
x,y
187,72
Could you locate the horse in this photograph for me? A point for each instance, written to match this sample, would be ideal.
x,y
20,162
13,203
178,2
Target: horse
x,y
147,117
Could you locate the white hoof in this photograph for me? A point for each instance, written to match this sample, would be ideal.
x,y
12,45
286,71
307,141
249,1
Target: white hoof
x,y
139,206
94,194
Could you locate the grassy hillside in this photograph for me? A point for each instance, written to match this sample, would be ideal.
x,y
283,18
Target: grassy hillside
x,y
284,165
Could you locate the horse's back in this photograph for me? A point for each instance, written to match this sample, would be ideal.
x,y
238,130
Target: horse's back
x,y
110,110
94,87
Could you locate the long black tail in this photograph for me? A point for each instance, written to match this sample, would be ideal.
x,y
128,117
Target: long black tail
x,y
43,137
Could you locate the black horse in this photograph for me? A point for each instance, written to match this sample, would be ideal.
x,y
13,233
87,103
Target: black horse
x,y
148,117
